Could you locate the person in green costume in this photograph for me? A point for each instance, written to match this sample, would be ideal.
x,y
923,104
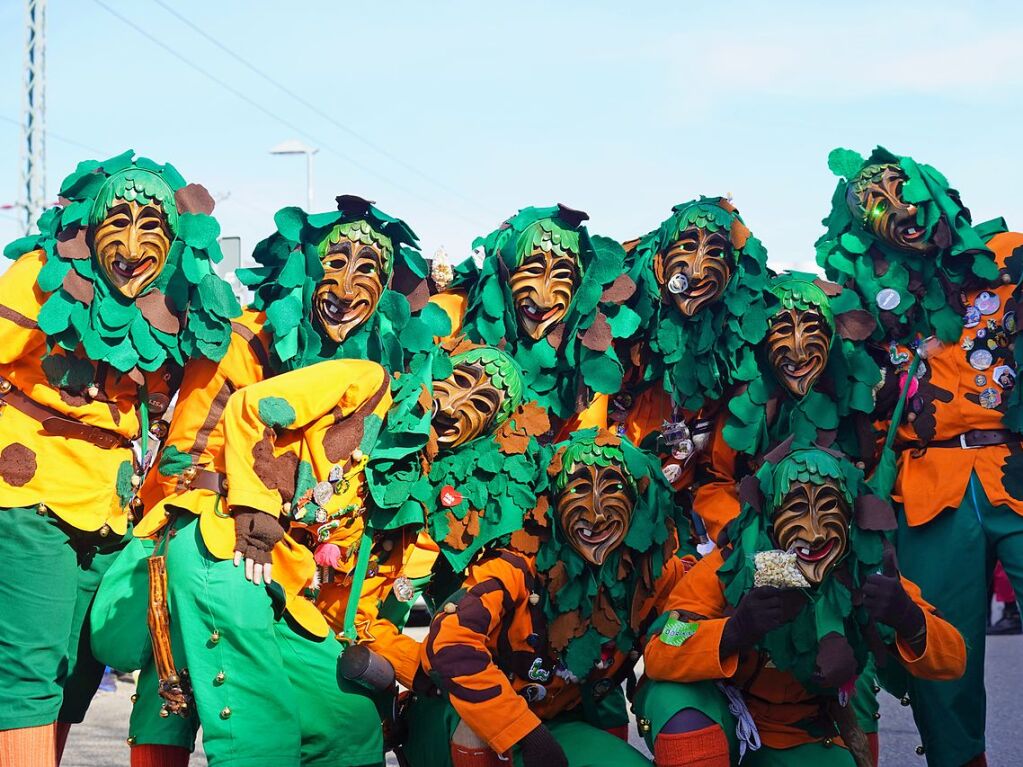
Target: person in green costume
x,y
99,313
759,647
329,285
527,659
550,294
943,292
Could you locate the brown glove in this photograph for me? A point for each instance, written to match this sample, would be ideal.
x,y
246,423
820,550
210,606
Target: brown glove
x,y
540,749
255,535
836,661
887,601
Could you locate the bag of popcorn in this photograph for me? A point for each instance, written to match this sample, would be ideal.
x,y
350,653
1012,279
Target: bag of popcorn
x,y
779,569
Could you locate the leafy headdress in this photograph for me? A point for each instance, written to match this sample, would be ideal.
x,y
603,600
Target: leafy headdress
x,y
472,496
290,268
588,607
845,387
927,285
697,359
794,646
186,312
578,353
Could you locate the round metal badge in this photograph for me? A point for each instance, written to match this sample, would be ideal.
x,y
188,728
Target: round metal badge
x,y
678,283
980,380
887,299
322,493
972,317
987,302
981,359
403,589
990,398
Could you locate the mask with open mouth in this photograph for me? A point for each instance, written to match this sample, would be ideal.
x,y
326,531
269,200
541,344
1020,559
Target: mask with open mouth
x,y
813,521
594,509
484,388
356,261
133,220
875,197
694,271
542,287
798,347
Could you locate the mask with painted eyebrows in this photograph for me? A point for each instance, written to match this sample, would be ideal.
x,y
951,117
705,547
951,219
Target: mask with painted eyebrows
x,y
798,347
694,271
131,244
542,288
594,509
465,405
875,197
813,521
354,279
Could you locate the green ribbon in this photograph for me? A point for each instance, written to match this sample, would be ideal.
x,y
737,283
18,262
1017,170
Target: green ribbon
x,y
361,565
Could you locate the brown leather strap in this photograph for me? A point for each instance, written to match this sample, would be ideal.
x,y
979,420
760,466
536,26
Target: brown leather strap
x,y
174,687
58,424
978,438
202,479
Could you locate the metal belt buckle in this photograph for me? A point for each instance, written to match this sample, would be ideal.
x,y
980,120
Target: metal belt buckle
x,y
964,446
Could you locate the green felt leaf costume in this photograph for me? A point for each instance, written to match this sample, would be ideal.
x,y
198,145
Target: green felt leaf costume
x,y
631,568
290,268
698,359
185,313
793,647
852,256
499,475
844,388
560,365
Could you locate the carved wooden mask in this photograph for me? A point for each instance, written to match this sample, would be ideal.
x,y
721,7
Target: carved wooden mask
x,y
798,345
875,197
465,405
813,521
694,271
131,244
594,510
353,281
542,288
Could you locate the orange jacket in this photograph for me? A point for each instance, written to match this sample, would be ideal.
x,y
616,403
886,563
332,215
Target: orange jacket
x,y
489,648
780,705
86,485
933,479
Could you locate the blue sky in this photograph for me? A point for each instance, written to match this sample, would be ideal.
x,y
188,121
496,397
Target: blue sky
x,y
619,109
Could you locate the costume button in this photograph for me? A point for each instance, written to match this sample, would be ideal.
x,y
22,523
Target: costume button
x,y
357,455
214,637
134,697
877,689
877,714
225,713
904,700
644,725
131,740
220,678
93,391
919,750
827,743
534,599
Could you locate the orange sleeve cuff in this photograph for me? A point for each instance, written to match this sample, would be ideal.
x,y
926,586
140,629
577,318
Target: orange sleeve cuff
x,y
516,729
944,655
697,659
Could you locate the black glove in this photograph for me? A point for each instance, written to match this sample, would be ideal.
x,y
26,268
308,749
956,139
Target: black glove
x,y
540,749
887,601
762,609
836,661
255,535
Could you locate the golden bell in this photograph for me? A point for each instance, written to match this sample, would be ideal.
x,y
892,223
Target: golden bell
x,y
93,391
357,455
5,386
136,480
225,713
134,697
450,608
41,509
904,700
827,742
919,750
131,740
877,714
220,677
215,637
104,531
164,713
644,725
534,598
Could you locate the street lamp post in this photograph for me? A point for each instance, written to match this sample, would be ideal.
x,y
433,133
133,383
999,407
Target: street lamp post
x,y
294,146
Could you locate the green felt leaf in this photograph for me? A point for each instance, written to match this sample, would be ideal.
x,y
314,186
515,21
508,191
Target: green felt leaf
x,y
173,461
276,412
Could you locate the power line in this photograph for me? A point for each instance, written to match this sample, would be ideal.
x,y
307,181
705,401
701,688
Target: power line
x,y
63,139
273,116
311,106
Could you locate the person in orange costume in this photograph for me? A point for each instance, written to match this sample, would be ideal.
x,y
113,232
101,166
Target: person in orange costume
x,y
943,292
528,657
783,619
99,313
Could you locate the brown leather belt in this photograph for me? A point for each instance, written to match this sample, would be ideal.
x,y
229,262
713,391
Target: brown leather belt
x,y
58,424
201,479
978,438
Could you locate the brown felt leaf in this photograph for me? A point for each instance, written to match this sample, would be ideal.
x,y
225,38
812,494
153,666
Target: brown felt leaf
x,y
456,537
556,336
607,438
194,198
425,399
749,492
855,324
564,628
739,234
598,335
78,287
620,290
538,513
158,310
511,441
71,243
532,419
630,245
604,618
874,513
557,577
830,289
525,542
556,463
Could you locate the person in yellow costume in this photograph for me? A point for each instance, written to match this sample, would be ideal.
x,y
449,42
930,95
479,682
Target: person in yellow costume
x,y
98,314
347,260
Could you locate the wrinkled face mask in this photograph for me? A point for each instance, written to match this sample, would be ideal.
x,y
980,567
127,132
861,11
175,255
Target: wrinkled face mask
x,y
542,288
798,346
875,197
465,405
131,244
695,270
594,510
353,281
813,521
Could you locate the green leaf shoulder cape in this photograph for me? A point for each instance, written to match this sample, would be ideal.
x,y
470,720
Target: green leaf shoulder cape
x,y
926,284
698,359
186,312
578,354
845,388
830,607
290,269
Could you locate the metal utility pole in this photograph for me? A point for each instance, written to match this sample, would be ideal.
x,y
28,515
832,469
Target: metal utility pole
x,y
33,180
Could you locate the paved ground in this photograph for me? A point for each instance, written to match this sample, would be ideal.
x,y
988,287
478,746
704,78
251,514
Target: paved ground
x,y
99,741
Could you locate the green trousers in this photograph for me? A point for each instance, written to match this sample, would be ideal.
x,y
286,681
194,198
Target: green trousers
x,y
50,573
267,694
432,721
658,702
951,559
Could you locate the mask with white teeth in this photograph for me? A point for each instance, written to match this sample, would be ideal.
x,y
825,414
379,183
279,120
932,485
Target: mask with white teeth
x,y
694,271
799,336
594,509
875,197
543,285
